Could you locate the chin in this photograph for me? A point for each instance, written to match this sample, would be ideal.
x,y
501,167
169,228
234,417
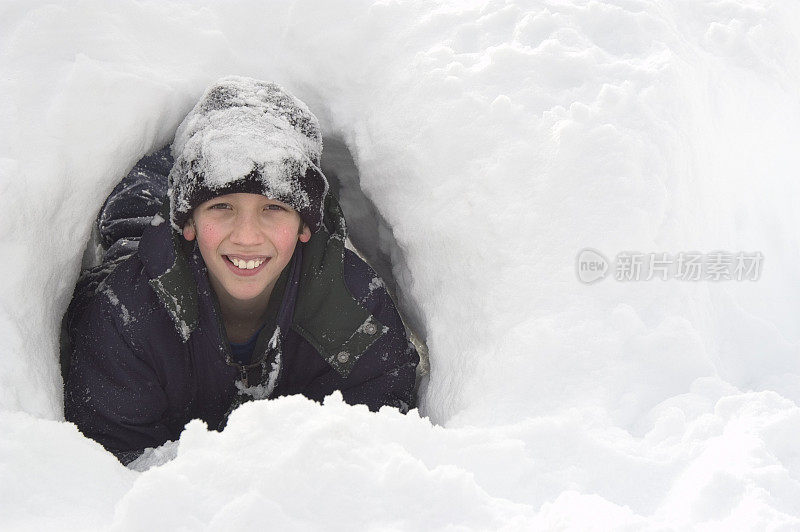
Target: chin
x,y
248,295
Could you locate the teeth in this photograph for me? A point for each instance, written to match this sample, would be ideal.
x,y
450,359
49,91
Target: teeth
x,y
246,264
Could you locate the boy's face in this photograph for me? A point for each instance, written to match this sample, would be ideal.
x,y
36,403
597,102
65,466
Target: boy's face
x,y
246,240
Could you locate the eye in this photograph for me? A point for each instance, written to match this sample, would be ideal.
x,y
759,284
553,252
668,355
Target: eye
x,y
275,207
220,205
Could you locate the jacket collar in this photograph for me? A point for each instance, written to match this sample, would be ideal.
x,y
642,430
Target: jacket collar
x,y
327,315
164,254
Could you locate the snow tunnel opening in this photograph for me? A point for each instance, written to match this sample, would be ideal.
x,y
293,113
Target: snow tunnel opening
x,y
369,235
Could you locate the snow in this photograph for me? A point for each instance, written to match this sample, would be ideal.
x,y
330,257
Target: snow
x,y
263,391
496,140
112,296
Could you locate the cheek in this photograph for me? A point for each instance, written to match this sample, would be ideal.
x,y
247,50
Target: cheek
x,y
208,236
285,238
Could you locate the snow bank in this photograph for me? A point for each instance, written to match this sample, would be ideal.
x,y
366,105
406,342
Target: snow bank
x,y
497,140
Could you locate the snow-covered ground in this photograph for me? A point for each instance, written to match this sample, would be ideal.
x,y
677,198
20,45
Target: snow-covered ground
x,y
493,141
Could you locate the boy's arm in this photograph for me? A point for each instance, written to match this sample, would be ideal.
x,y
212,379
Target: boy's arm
x,y
111,394
385,374
391,377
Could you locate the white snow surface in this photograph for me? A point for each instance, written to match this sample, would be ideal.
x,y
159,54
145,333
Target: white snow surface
x,y
497,139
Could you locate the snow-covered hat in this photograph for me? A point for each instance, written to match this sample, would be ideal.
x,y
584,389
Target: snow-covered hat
x,y
246,135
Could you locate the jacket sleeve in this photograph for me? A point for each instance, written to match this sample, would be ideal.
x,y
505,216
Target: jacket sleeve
x,y
391,379
111,393
385,374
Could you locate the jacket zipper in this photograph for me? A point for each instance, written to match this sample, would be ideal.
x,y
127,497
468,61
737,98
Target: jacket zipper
x,y
243,375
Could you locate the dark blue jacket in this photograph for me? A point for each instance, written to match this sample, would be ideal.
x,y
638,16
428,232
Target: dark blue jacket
x,y
149,352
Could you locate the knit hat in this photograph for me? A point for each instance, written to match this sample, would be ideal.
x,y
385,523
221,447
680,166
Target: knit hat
x,y
246,135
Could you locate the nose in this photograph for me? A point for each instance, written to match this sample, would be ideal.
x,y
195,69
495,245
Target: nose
x,y
246,230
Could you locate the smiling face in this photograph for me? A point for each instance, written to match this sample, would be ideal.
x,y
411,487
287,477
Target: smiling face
x,y
246,241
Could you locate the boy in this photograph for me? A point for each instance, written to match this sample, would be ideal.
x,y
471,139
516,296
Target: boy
x,y
241,288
